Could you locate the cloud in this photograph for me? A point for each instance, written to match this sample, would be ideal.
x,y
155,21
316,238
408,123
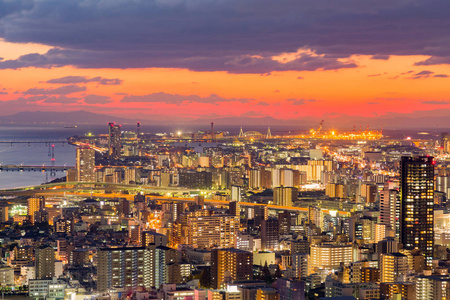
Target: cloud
x,y
96,99
441,75
3,93
179,99
300,101
63,90
373,103
390,99
263,103
436,102
422,74
83,79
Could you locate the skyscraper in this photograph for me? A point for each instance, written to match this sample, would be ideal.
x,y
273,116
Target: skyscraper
x,y
85,164
114,146
416,196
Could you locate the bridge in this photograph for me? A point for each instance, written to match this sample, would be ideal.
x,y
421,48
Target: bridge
x,y
43,168
167,199
35,142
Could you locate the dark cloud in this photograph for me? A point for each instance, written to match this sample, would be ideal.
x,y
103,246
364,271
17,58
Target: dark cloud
x,y
63,90
232,64
437,102
441,75
180,99
96,99
434,60
382,57
373,75
234,36
373,103
3,93
263,103
83,79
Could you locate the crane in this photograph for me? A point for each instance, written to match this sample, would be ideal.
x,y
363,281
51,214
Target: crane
x,y
314,132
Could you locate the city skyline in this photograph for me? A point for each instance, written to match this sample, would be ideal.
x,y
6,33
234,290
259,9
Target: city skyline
x,y
198,59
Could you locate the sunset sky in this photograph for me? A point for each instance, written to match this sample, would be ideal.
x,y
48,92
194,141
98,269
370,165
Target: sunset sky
x,y
189,59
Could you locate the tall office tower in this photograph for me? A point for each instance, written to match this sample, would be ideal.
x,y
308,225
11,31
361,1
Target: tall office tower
x,y
33,205
390,209
416,198
45,262
269,234
285,196
229,265
114,145
129,267
85,164
212,231
393,266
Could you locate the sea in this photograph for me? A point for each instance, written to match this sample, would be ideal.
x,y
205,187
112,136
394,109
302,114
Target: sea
x,y
18,146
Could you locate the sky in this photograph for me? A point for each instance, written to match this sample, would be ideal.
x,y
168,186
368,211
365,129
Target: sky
x,y
211,59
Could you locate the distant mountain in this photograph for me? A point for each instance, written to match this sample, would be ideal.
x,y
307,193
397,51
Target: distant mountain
x,y
433,119
65,118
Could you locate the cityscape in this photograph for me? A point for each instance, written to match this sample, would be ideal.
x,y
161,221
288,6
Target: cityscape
x,y
319,214
224,150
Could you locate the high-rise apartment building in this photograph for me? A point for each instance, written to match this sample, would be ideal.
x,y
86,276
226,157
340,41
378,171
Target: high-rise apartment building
x,y
432,287
229,265
417,201
390,209
129,267
34,205
114,146
167,269
269,234
329,256
212,231
393,266
285,196
85,164
45,262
